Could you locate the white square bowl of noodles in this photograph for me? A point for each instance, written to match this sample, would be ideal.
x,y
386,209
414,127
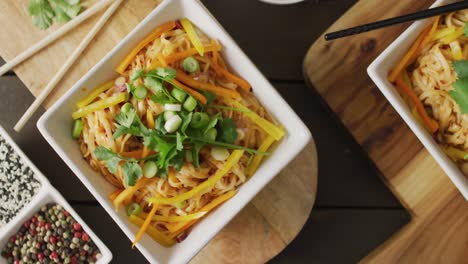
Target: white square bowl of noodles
x,y
432,138
56,123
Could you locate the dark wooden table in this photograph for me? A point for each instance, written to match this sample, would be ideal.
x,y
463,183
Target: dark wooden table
x,y
354,211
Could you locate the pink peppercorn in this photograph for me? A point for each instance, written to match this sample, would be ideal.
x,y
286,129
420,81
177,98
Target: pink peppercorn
x,y
54,255
76,226
34,219
52,239
73,260
66,214
17,261
77,235
47,226
85,237
40,256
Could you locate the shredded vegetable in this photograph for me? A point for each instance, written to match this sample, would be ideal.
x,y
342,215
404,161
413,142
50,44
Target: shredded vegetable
x,y
190,52
99,105
200,97
220,91
235,79
145,225
94,94
176,219
155,34
456,154
152,232
129,192
258,158
188,27
206,185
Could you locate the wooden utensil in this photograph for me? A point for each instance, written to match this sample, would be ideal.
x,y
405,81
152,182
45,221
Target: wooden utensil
x,y
63,70
55,35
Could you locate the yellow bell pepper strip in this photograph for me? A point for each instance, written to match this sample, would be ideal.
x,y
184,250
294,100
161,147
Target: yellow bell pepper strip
x,y
405,61
177,228
453,36
152,36
129,192
275,131
206,185
152,232
200,97
442,33
149,119
176,219
135,154
223,92
94,94
190,52
99,105
145,225
456,154
233,78
192,35
430,123
258,158
456,50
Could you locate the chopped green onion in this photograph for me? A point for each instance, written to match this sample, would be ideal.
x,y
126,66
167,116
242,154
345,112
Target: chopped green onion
x,y
188,156
168,115
140,92
190,104
178,94
211,134
199,119
77,128
172,107
220,154
150,169
126,107
173,124
134,209
190,64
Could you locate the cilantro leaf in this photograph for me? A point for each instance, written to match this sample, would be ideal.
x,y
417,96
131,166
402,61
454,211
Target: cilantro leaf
x,y
64,11
41,12
178,161
161,98
460,94
213,121
155,142
153,83
180,141
196,153
210,97
103,153
137,75
461,68
160,124
186,119
126,119
112,164
166,73
227,130
132,172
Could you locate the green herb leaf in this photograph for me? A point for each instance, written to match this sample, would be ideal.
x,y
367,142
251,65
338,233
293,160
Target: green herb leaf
x,y
64,11
460,94
213,121
41,12
461,68
196,153
153,83
112,164
210,97
178,161
161,98
180,141
103,153
227,130
126,119
166,73
132,172
186,119
137,75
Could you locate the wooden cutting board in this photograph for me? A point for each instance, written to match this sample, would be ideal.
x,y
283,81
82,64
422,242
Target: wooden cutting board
x,y
438,232
263,228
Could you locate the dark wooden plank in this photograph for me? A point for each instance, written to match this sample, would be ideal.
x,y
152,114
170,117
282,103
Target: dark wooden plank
x,y
342,236
275,37
346,177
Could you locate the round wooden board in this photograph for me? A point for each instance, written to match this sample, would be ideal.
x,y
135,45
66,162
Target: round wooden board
x,y
272,220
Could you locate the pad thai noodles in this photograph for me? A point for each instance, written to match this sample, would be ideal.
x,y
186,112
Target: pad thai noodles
x,y
176,133
433,78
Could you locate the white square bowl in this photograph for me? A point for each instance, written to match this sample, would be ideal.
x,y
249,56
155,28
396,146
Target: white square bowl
x,y
56,123
378,72
46,194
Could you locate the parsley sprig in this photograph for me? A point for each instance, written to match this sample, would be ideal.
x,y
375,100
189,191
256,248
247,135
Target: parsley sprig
x,y
45,12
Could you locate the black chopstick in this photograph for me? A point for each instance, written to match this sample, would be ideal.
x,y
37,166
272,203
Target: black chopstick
x,y
397,20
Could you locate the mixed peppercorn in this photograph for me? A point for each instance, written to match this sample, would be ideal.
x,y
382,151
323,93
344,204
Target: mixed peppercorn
x,y
51,236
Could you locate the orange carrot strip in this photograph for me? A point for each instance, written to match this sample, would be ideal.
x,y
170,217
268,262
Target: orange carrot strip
x,y
426,40
233,78
206,86
407,58
189,52
430,123
145,224
200,97
152,36
157,235
114,195
131,154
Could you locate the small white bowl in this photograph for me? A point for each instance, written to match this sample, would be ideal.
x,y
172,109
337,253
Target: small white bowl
x,y
378,72
46,194
56,123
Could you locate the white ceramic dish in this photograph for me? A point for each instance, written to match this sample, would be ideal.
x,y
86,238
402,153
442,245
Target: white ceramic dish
x,y
378,71
46,194
56,123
